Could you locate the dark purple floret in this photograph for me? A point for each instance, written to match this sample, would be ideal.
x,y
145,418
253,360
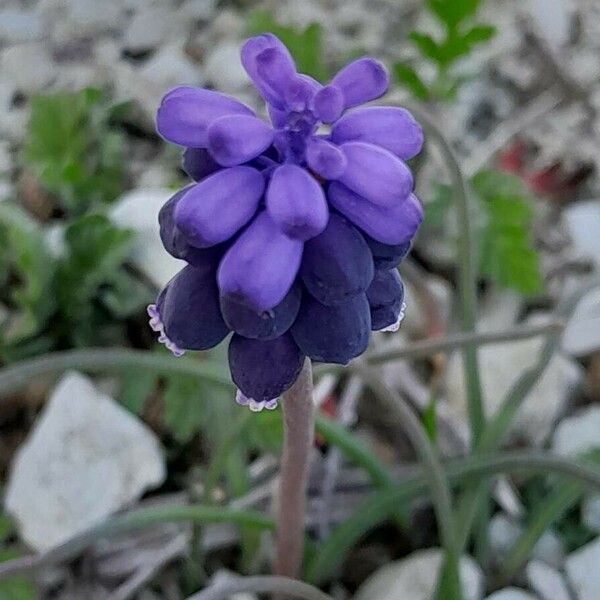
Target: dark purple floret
x,y
386,299
198,163
337,264
263,369
293,226
386,256
333,334
187,313
266,325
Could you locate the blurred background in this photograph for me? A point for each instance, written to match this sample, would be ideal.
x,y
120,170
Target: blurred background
x,y
514,86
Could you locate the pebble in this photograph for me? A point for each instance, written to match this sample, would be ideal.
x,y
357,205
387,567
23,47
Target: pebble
x,y
578,434
414,578
547,582
150,28
224,68
20,26
583,572
85,458
511,593
582,334
27,67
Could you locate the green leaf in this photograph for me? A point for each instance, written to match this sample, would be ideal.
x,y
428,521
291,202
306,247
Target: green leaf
x,y
74,150
407,76
15,588
136,387
306,46
26,253
6,527
479,34
426,45
95,251
507,252
429,419
126,296
438,208
453,12
184,410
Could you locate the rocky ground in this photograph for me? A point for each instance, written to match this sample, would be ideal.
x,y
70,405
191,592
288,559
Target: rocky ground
x,y
537,81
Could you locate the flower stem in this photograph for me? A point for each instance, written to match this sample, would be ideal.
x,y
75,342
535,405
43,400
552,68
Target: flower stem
x,y
298,435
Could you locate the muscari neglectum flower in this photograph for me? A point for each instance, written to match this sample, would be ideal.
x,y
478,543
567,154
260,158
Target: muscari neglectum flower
x,y
292,231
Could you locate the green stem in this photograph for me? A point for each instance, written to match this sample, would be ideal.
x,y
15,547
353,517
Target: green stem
x,y
438,484
131,521
467,275
97,360
383,504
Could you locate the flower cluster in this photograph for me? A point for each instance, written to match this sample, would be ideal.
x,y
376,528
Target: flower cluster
x,y
292,231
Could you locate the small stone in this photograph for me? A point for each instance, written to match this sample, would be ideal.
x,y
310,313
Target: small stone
x,y
85,458
582,334
150,28
504,532
90,17
224,68
578,434
583,572
28,67
583,222
138,210
546,582
590,513
511,593
414,578
200,10
20,26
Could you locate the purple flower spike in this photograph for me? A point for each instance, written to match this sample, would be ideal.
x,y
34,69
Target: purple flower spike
x,y
214,209
390,127
236,139
185,114
361,81
261,266
376,174
296,202
291,234
264,369
394,225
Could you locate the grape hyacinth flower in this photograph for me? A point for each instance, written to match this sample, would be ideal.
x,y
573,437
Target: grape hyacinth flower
x,y
293,230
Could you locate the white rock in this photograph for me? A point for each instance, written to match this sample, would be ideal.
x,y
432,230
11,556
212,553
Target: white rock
x,y
590,513
138,210
86,458
552,19
582,220
504,532
201,10
20,26
500,367
150,28
546,582
582,334
28,67
5,159
578,434
414,578
511,593
89,17
583,572
224,68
